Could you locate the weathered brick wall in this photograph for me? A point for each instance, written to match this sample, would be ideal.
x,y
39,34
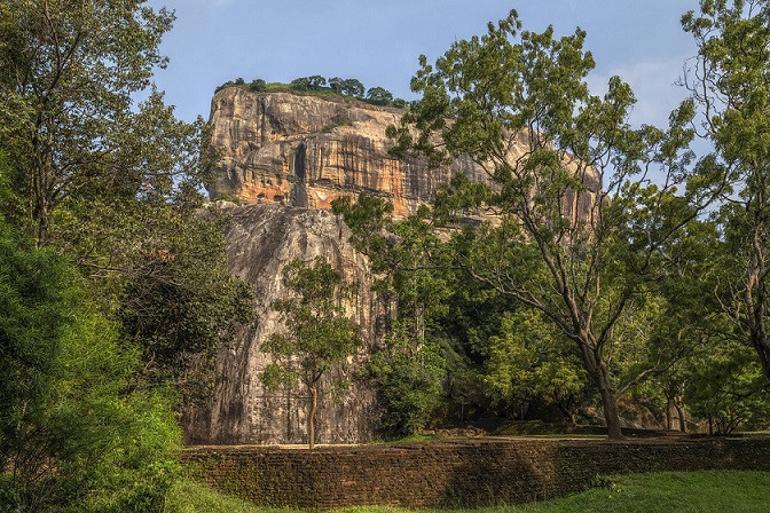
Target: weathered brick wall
x,y
454,474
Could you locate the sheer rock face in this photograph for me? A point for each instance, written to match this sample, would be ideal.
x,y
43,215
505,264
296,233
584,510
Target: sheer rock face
x,y
263,240
288,157
308,150
305,151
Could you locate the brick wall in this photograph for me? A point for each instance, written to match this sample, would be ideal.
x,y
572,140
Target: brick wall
x,y
468,473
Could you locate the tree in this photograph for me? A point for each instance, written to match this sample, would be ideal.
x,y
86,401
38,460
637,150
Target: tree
x,y
308,83
400,103
318,336
413,276
583,255
726,386
176,298
379,96
257,85
352,87
76,434
113,184
409,381
69,76
729,81
527,361
336,84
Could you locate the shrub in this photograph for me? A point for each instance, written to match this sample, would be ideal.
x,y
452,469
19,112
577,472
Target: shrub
x,y
409,385
257,85
76,430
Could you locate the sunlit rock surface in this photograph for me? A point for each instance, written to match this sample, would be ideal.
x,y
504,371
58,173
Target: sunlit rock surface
x,y
263,240
287,157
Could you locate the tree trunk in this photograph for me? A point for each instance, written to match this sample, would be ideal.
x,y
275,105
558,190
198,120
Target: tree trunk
x,y
669,423
682,417
711,425
764,357
610,405
593,364
311,417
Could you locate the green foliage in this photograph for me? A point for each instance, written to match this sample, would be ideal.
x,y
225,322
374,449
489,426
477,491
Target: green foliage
x,y
413,267
726,385
317,333
308,83
318,85
379,96
76,432
352,87
193,497
347,87
528,360
318,336
729,82
409,383
587,273
113,184
178,301
97,56
229,83
257,85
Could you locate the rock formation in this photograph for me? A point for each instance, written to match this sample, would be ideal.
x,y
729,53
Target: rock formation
x,y
308,150
287,157
263,239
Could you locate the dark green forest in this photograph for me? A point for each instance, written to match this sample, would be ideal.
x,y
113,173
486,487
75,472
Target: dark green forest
x,y
506,304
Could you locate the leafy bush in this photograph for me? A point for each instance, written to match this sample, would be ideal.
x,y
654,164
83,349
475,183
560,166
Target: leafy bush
x,y
409,384
379,96
77,432
257,85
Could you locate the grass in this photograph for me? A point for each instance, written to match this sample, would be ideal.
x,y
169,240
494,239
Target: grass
x,y
695,492
193,497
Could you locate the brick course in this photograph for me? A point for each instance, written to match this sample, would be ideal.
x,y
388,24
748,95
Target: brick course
x,y
452,474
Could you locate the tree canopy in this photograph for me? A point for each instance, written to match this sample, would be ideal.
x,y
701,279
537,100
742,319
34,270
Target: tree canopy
x,y
318,335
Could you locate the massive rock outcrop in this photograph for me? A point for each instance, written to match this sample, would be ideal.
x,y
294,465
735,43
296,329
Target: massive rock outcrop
x,y
287,157
308,150
262,240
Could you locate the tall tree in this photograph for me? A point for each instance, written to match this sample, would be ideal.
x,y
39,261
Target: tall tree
x,y
413,273
76,434
70,71
114,184
318,335
730,82
352,87
581,221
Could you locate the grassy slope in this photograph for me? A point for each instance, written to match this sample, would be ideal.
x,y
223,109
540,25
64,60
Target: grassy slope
x,y
696,492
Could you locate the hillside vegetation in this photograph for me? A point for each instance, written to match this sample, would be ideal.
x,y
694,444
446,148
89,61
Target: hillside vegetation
x,y
333,87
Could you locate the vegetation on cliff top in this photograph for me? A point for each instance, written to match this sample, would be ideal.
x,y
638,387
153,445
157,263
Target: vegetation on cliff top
x,y
333,87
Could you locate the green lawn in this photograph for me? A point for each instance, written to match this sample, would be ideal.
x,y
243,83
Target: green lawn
x,y
696,492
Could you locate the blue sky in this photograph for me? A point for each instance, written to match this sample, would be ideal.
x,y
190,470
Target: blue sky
x,y
378,42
